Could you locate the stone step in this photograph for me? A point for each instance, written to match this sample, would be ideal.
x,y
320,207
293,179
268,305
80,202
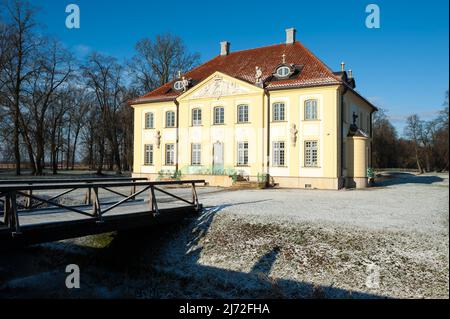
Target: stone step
x,y
245,184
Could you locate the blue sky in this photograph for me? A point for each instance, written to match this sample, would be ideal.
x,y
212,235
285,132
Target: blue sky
x,y
402,67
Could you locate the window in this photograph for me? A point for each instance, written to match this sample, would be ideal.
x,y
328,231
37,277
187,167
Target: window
x,y
170,154
196,154
311,155
148,120
196,117
242,113
311,110
242,156
283,71
170,119
148,154
278,153
219,115
278,112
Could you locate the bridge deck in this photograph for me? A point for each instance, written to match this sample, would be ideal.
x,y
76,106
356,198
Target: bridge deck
x,y
56,223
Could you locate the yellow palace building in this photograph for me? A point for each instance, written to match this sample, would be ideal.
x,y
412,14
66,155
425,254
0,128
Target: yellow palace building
x,y
275,112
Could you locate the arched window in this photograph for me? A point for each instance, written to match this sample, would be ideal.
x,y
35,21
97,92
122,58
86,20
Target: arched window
x,y
149,122
283,71
311,112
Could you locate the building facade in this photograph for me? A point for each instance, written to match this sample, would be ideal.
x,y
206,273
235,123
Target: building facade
x,y
274,111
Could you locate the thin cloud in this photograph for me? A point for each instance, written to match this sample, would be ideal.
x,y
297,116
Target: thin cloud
x,y
81,50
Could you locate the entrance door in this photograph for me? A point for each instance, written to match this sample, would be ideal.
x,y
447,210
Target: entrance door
x,y
217,157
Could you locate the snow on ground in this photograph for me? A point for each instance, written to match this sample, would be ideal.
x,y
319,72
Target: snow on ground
x,y
387,241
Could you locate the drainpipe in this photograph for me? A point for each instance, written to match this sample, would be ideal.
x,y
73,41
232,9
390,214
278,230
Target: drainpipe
x,y
177,134
342,134
371,138
266,92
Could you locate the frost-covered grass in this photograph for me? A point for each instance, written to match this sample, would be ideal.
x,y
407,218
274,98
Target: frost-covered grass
x,y
388,241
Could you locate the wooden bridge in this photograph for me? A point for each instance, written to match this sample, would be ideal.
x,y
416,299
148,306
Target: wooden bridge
x,y
32,213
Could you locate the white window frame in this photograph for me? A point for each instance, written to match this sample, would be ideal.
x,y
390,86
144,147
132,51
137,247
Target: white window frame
x,y
311,153
149,120
196,117
148,155
311,111
242,113
219,118
170,154
278,111
196,154
242,153
279,153
280,69
170,121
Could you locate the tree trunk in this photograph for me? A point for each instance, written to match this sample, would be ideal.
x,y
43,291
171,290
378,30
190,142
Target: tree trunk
x,y
16,137
68,147
74,148
419,167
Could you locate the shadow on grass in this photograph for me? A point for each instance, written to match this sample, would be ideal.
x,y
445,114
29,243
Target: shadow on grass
x,y
398,178
161,262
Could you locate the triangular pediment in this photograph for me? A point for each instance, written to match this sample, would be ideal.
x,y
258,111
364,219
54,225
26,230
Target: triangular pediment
x,y
219,85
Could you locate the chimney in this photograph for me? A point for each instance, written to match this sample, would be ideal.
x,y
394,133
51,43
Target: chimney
x,y
290,35
342,66
350,74
224,48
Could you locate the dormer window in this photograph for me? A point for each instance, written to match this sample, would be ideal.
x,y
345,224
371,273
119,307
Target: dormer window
x,y
284,71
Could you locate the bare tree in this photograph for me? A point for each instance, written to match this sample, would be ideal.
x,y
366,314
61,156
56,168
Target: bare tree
x,y
54,123
18,67
83,102
105,78
384,142
413,130
158,61
55,69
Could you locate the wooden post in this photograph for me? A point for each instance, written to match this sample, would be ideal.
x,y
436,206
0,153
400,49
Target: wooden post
x,y
133,190
96,206
194,197
154,203
150,199
7,210
13,215
29,201
88,196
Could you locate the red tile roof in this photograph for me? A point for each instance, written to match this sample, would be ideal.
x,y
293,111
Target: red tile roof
x,y
242,64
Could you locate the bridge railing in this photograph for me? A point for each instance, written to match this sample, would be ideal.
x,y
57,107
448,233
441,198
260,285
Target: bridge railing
x,y
9,194
88,195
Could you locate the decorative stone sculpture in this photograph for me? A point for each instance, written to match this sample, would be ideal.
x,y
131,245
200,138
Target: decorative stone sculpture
x,y
219,87
294,133
185,84
158,139
258,75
